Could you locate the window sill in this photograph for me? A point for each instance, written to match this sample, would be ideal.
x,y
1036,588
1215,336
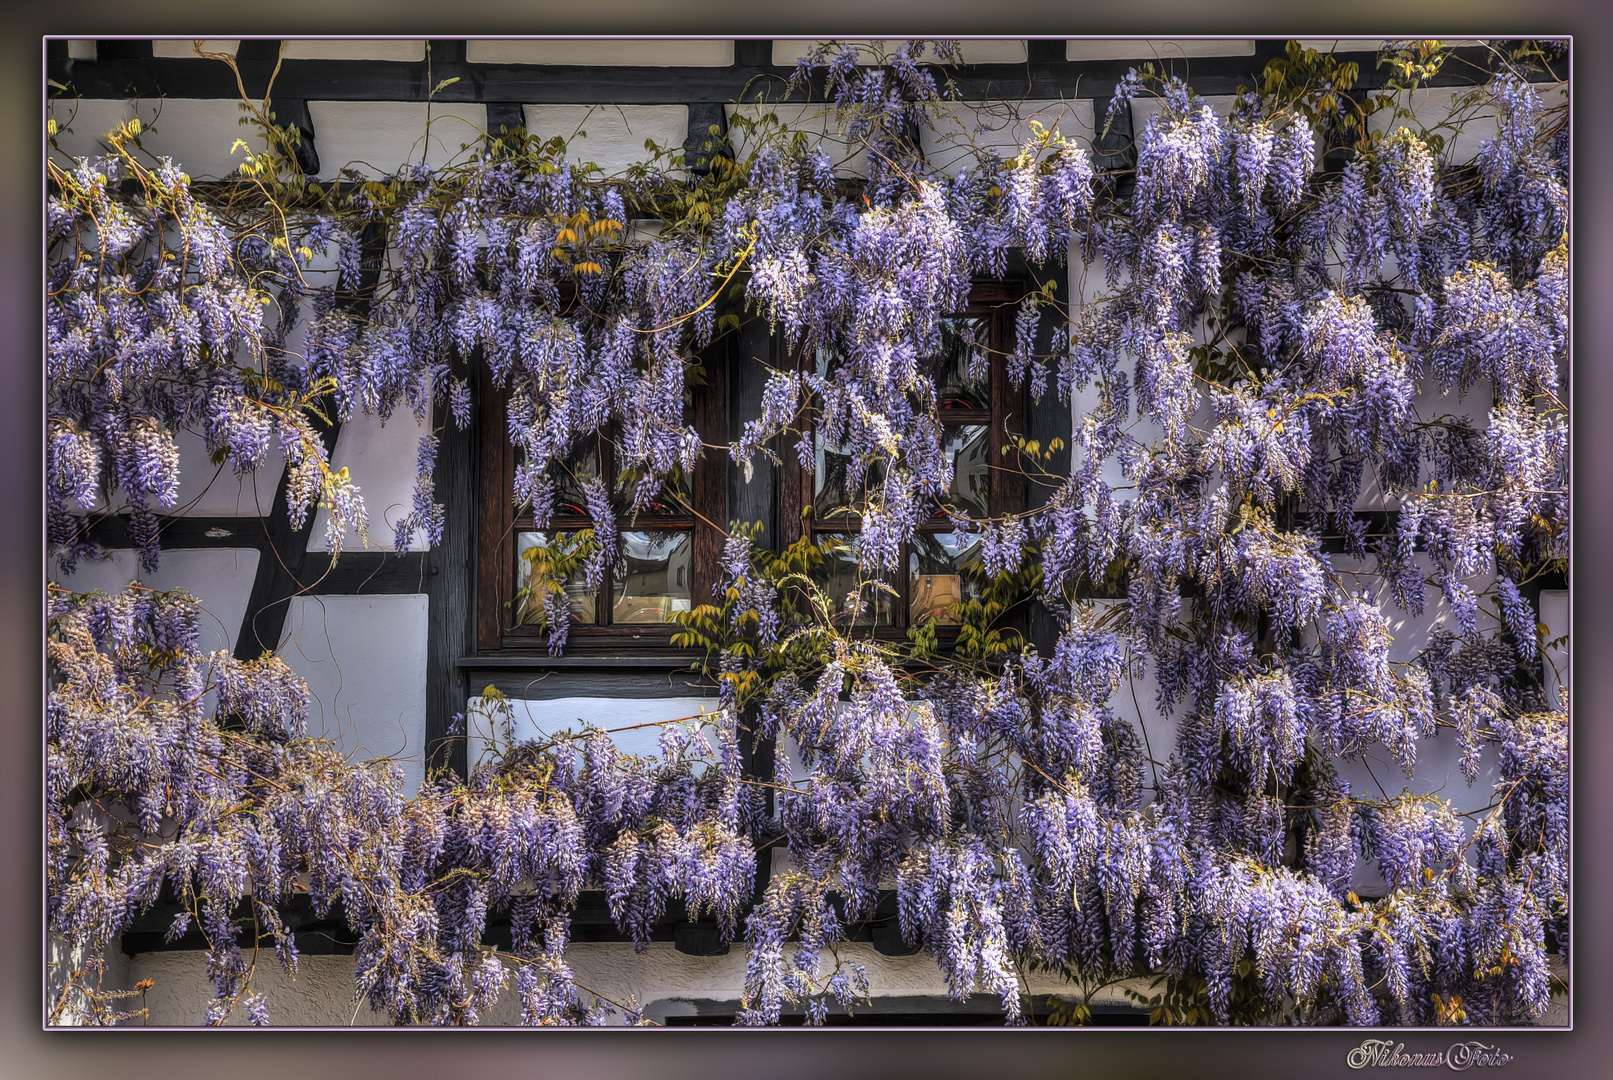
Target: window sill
x,y
663,661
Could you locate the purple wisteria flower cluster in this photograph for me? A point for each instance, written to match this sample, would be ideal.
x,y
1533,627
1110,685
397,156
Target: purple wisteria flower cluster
x,y
225,810
1292,322
155,324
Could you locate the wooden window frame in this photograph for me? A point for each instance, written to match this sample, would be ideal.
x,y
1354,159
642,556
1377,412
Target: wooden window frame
x,y
498,525
1006,483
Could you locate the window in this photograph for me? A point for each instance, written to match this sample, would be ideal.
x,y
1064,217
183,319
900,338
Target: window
x,y
978,410
666,555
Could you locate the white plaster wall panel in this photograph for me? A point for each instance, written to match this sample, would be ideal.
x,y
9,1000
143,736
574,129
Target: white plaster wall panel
x,y
643,230
69,1008
664,981
663,976
1554,613
1376,775
364,658
1411,632
380,457
1154,48
637,52
81,49
819,123
89,120
1136,701
1341,45
1002,127
319,995
1090,283
208,490
1435,105
612,136
319,273
198,133
1345,45
379,138
634,724
185,48
1145,106
354,49
787,51
220,578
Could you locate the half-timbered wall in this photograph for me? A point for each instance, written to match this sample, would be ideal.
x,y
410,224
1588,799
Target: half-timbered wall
x,y
387,642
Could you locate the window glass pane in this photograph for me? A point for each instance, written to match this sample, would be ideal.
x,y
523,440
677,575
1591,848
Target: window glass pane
x,y
968,447
652,576
832,493
671,499
535,554
582,465
828,361
935,575
961,369
844,579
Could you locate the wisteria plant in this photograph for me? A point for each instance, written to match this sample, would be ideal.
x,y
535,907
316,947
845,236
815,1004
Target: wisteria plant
x,y
1291,284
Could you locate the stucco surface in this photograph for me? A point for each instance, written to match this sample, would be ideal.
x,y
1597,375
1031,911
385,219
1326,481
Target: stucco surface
x,y
364,658
381,456
612,136
377,138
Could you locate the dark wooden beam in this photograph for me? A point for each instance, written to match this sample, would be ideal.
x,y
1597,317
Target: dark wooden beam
x,y
365,573
1045,74
450,585
710,483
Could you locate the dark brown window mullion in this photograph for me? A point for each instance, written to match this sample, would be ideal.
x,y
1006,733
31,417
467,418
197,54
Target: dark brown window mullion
x,y
899,620
795,487
708,487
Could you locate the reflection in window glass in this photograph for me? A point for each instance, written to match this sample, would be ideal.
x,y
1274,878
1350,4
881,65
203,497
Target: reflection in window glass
x,y
582,465
935,575
670,499
582,599
652,576
878,606
968,447
960,368
832,493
